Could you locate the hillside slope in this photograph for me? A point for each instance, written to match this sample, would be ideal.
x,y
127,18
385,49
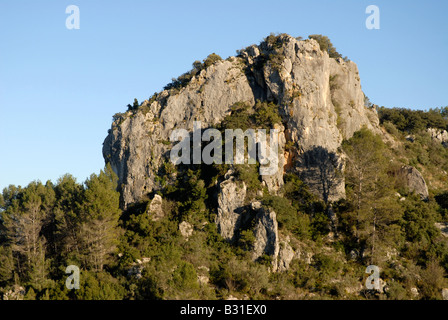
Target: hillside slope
x,y
357,187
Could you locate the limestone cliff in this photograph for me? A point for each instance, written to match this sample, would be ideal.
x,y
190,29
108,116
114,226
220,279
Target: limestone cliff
x,y
320,100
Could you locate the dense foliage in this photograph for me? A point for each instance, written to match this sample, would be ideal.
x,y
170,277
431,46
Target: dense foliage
x,y
413,121
326,46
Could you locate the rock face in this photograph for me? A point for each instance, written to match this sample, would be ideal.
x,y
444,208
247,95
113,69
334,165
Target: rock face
x,y
230,201
266,234
275,181
414,181
323,104
285,255
135,145
320,98
268,241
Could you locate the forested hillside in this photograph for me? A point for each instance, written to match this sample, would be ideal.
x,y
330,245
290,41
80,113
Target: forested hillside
x,y
359,185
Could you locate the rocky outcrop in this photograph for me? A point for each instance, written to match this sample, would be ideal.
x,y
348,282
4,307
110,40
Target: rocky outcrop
x,y
266,234
231,198
414,181
155,209
441,136
203,275
445,293
186,229
443,227
322,102
320,98
137,267
285,256
136,145
274,181
15,293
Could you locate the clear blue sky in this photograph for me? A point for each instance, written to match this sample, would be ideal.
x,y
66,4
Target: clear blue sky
x,y
59,88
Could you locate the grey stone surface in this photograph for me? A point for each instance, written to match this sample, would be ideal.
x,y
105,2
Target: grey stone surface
x,y
445,293
318,113
155,209
186,229
440,136
414,181
266,236
230,200
285,255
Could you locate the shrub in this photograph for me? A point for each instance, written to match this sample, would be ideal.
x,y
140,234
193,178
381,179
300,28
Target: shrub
x,y
99,286
390,128
185,78
333,81
211,59
266,114
413,121
287,216
246,240
249,174
185,277
432,281
326,45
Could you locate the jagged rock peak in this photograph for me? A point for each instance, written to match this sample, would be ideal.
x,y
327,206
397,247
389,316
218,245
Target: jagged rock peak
x,y
319,98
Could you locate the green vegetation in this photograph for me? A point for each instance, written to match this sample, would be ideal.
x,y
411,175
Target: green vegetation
x,y
262,115
413,121
198,66
416,147
373,220
127,255
326,46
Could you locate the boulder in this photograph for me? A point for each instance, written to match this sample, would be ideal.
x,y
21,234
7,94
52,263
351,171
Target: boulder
x,y
155,208
285,256
137,267
414,181
445,293
186,229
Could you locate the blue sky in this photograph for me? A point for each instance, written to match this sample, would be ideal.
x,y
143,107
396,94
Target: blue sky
x,y
59,88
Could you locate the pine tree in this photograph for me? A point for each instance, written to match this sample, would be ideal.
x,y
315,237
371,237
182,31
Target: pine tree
x,y
24,220
135,104
67,217
98,228
2,202
6,265
369,189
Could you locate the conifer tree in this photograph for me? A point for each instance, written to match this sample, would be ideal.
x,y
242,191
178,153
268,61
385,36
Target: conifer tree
x,y
370,191
67,217
99,219
24,220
